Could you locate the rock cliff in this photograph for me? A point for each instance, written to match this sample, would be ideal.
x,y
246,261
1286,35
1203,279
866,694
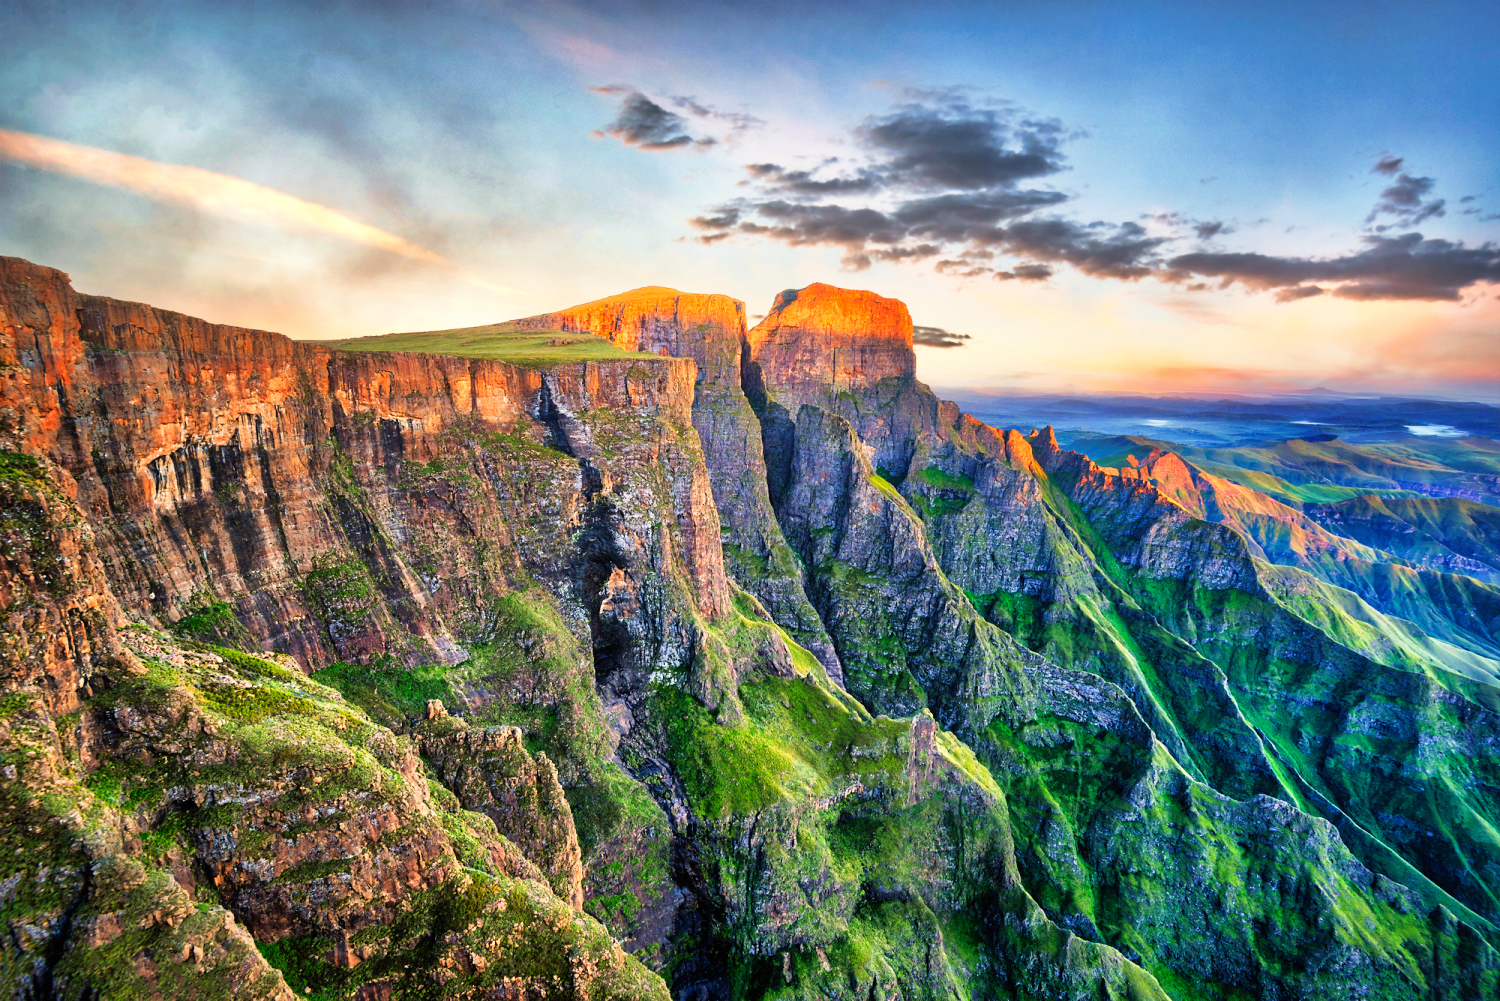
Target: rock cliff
x,y
795,679
710,329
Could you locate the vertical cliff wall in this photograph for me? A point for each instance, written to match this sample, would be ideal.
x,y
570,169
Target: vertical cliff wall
x,y
301,485
710,329
848,352
1093,784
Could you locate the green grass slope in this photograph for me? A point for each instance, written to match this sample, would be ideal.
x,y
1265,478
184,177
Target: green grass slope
x,y
497,341
1444,533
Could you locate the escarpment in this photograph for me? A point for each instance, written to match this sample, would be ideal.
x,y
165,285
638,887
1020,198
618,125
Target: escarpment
x,y
307,482
734,664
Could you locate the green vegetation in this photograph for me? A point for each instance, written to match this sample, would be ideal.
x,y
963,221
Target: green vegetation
x,y
393,696
211,621
499,341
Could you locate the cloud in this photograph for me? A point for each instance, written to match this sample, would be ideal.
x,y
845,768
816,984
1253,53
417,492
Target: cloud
x,y
936,176
957,146
937,337
1025,273
942,179
1403,267
194,187
644,124
971,215
1103,250
738,121
949,146
801,182
1299,292
1403,200
961,268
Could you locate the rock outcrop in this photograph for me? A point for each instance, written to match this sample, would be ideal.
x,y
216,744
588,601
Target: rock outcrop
x,y
827,339
844,351
490,771
299,480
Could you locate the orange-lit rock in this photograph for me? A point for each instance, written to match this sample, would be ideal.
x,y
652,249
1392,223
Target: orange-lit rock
x,y
215,462
839,338
705,328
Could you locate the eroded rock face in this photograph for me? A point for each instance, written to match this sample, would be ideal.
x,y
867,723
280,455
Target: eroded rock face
x,y
215,463
705,328
710,329
1049,815
59,612
490,771
846,352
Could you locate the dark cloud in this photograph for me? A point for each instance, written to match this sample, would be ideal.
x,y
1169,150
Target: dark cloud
x,y
866,234
1403,200
1299,292
738,121
1103,250
947,172
950,146
961,268
937,337
1402,267
724,218
799,225
1025,273
801,182
959,147
942,181
644,124
1466,198
970,216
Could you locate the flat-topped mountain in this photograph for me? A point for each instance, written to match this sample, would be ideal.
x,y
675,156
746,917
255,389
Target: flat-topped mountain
x,y
832,338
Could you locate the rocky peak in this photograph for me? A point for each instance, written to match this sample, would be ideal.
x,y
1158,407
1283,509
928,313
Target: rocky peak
x,y
705,327
833,337
1044,442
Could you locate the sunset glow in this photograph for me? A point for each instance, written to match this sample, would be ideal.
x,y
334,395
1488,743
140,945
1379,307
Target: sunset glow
x,y
1123,225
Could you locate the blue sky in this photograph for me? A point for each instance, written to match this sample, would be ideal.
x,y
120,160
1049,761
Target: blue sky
x,y
471,130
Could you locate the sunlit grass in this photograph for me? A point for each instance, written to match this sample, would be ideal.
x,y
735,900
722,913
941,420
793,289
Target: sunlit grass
x,y
498,341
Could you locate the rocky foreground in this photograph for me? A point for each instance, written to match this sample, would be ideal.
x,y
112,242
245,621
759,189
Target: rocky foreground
x,y
737,667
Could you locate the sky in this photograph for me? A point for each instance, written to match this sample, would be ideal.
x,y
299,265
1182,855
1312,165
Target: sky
x,y
1102,197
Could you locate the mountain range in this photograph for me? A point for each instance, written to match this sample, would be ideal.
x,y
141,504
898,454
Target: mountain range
x,y
628,651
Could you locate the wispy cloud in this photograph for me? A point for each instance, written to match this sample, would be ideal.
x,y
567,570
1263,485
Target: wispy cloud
x,y
210,192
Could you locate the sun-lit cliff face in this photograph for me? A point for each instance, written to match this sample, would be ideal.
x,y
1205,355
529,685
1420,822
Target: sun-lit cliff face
x,y
705,328
832,337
